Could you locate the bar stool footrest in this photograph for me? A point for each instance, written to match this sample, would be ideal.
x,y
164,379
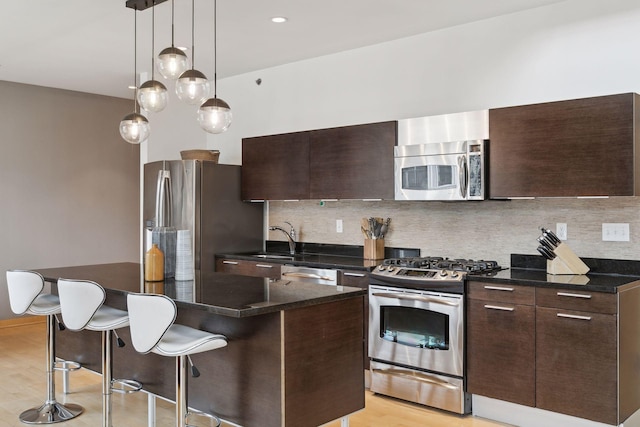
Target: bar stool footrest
x,y
66,365
125,386
195,413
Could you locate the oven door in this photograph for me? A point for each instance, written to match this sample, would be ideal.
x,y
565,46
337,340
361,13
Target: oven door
x,y
415,328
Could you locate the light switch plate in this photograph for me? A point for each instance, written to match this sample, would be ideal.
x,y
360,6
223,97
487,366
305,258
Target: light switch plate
x,y
561,230
338,226
615,232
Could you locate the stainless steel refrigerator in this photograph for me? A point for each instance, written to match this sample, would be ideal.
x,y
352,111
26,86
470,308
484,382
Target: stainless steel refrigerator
x,y
203,197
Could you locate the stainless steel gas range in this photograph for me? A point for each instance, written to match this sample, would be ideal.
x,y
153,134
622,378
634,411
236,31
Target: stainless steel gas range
x,y
416,329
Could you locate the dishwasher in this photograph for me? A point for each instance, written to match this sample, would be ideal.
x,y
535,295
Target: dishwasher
x,y
319,276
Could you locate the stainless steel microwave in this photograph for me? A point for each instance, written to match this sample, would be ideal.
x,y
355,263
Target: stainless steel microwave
x,y
440,171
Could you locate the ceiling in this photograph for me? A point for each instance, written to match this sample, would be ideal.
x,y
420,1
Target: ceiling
x,y
87,45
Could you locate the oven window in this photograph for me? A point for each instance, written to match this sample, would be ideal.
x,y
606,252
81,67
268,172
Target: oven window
x,y
414,327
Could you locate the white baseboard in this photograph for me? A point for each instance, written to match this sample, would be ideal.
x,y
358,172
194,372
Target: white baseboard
x,y
525,416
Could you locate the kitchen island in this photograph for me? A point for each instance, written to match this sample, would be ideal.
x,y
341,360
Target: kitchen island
x,y
295,353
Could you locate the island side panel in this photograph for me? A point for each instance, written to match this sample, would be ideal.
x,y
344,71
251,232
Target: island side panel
x,y
324,362
629,352
240,382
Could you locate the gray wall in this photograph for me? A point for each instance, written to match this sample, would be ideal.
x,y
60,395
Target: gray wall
x,y
69,184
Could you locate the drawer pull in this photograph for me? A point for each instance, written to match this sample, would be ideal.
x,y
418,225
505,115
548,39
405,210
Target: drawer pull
x,y
573,316
498,288
567,294
353,274
497,307
264,266
230,262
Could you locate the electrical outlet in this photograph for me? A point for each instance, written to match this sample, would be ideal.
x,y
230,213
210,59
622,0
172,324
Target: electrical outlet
x,y
338,226
561,230
615,232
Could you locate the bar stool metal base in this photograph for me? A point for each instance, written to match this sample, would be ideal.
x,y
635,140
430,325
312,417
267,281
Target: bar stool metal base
x,y
51,412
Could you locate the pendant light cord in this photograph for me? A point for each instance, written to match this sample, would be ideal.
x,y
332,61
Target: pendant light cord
x,y
135,57
193,48
172,13
215,49
153,38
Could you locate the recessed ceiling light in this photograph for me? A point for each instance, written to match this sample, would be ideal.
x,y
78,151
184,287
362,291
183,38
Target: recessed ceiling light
x,y
279,19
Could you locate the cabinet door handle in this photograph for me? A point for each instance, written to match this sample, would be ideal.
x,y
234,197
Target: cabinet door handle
x,y
497,307
353,274
573,316
264,266
568,294
230,262
498,288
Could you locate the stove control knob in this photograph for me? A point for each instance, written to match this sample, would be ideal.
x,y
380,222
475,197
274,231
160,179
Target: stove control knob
x,y
455,275
390,269
443,273
381,268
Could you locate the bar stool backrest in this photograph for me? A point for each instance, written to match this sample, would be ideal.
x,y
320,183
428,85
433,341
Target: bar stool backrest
x,y
79,301
24,287
150,316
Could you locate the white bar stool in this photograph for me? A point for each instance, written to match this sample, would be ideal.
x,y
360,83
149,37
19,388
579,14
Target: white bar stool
x,y
82,305
26,297
153,329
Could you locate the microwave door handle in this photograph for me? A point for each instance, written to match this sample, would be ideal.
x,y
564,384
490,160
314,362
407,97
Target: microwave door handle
x,y
463,176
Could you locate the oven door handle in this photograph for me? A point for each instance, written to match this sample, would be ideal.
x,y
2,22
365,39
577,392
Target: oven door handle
x,y
415,376
421,298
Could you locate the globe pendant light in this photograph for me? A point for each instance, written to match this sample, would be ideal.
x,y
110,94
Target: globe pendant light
x,y
192,87
172,62
214,115
152,94
134,127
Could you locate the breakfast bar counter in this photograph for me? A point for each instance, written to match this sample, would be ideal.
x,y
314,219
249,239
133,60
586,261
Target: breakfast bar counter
x,y
295,352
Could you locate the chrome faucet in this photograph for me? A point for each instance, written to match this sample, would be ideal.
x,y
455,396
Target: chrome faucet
x,y
291,236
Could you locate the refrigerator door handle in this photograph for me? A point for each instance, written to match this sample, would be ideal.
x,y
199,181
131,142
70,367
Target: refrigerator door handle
x,y
163,199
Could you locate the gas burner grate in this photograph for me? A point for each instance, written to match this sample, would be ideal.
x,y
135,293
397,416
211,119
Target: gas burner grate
x,y
440,263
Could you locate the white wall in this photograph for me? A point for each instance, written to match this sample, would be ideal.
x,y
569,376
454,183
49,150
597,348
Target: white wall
x,y
572,49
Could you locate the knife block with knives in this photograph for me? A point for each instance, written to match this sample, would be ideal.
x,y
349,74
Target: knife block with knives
x,y
560,258
374,230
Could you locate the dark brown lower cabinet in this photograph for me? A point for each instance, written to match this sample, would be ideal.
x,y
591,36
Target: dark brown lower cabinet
x,y
248,268
570,351
576,363
501,351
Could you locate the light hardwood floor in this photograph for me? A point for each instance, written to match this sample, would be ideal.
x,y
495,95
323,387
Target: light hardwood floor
x,y
23,386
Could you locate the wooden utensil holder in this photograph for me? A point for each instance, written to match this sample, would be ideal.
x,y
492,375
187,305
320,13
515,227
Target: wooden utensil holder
x,y
566,262
373,249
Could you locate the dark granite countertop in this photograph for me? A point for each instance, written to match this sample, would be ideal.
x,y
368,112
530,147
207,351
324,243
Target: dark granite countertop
x,y
605,275
320,255
217,293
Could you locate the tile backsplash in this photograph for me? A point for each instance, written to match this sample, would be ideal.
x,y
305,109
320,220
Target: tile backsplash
x,y
488,229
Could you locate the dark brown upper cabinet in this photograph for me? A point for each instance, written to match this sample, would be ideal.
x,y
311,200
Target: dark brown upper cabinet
x,y
581,147
351,162
276,167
